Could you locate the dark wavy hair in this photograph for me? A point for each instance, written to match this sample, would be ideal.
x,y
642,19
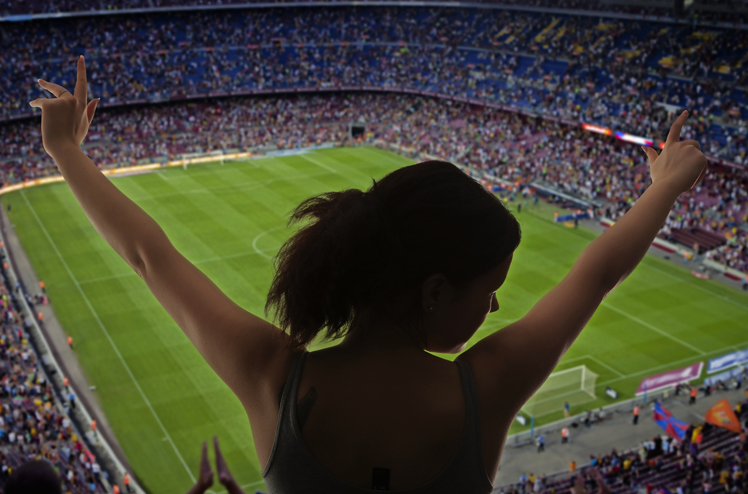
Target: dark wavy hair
x,y
34,477
361,257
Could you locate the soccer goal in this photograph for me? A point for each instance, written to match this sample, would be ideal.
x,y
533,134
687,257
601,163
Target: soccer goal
x,y
575,386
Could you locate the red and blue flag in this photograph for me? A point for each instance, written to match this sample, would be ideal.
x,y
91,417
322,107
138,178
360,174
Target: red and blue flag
x,y
674,427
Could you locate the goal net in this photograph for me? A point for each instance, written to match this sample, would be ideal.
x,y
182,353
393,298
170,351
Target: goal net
x,y
575,386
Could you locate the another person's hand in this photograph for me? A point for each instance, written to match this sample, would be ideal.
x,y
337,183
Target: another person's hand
x,y
224,474
206,474
579,487
598,477
66,117
681,163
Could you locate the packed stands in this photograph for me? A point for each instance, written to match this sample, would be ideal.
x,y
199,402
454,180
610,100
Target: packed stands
x,y
508,145
520,60
715,465
32,424
712,10
537,62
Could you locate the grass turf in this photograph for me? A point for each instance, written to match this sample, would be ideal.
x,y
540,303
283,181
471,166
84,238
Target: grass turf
x,y
162,399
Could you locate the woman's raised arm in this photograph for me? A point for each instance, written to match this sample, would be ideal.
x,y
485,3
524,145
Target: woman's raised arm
x,y
529,349
244,350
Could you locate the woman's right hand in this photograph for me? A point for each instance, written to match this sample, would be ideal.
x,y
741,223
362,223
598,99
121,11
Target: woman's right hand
x,y
681,164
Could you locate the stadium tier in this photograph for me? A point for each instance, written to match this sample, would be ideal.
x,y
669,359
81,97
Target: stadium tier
x,y
543,100
508,145
624,75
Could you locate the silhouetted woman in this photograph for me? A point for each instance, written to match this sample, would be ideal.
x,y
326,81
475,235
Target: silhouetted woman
x,y
412,264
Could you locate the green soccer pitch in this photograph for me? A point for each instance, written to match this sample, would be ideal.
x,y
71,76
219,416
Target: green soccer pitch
x,y
163,400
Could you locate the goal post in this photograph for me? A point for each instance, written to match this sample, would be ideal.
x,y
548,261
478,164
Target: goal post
x,y
575,386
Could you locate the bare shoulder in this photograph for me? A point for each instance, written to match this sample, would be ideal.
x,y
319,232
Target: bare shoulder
x,y
490,366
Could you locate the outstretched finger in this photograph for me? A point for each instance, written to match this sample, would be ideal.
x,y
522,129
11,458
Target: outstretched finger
x,y
651,153
91,109
81,86
674,134
217,448
53,88
204,452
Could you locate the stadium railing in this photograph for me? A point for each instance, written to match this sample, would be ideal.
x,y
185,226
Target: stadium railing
x,y
98,444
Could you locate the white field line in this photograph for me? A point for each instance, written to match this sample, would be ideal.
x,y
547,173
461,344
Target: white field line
x,y
108,336
696,285
672,364
318,163
655,329
258,237
201,261
620,374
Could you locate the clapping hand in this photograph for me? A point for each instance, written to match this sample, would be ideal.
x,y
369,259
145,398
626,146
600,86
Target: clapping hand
x,y
206,474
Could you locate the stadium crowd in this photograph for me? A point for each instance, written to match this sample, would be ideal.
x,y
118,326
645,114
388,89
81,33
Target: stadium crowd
x,y
32,426
507,145
607,72
8,7
709,460
481,55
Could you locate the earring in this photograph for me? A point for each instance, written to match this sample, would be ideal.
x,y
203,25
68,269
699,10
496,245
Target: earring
x,y
430,309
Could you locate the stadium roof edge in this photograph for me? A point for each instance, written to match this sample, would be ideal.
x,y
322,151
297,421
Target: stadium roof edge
x,y
374,3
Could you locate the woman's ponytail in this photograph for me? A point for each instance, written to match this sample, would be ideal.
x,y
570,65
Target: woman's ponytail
x,y
323,270
361,257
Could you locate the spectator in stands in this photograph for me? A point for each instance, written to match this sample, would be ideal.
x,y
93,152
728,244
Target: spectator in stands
x,y
31,424
411,265
34,477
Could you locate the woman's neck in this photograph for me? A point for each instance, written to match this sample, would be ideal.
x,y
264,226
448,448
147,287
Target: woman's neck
x,y
380,340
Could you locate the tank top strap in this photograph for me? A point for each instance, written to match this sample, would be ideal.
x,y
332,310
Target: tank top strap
x,y
471,401
290,390
474,445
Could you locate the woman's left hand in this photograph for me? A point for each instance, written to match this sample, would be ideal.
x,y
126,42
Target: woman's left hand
x,y
65,118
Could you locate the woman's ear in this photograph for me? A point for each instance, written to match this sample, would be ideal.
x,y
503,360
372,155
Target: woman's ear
x,y
432,292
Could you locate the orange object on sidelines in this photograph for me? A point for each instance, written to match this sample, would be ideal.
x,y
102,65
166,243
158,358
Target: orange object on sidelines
x,y
722,415
93,428
115,489
70,339
40,316
41,285
127,479
65,381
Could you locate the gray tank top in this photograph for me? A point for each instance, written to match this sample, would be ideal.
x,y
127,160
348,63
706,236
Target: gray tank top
x,y
293,469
